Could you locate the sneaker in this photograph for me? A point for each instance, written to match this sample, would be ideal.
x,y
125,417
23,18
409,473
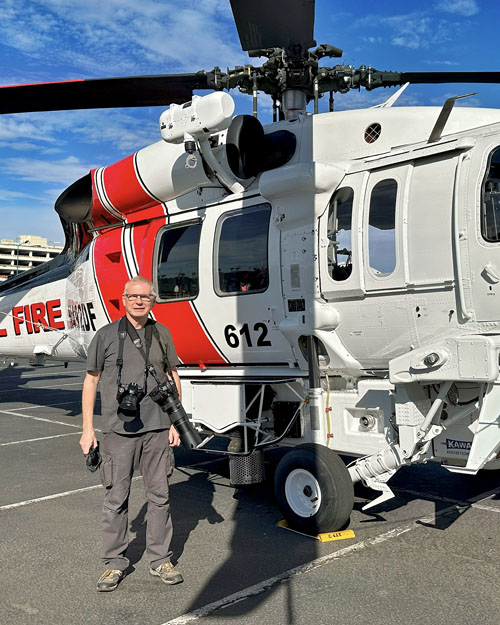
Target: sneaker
x,y
167,573
109,580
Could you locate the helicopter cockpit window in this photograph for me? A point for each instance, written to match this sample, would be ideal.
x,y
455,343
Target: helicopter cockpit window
x,y
490,217
339,234
382,228
241,255
178,262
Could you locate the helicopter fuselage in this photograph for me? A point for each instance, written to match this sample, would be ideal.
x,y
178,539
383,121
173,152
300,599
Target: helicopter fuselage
x,y
375,240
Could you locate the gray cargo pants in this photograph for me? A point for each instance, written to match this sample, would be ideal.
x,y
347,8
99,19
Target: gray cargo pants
x,y
120,453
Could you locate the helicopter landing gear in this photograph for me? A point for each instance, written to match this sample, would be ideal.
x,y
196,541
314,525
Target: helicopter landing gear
x,y
314,489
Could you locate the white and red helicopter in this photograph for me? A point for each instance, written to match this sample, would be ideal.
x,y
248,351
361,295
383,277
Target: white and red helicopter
x,y
331,281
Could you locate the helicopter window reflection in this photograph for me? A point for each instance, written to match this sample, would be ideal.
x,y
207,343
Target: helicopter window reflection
x,y
178,262
339,234
241,258
490,218
382,227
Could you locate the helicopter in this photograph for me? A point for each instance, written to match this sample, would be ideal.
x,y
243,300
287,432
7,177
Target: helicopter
x,y
331,280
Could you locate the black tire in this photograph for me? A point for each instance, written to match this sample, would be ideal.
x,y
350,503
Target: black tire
x,y
313,489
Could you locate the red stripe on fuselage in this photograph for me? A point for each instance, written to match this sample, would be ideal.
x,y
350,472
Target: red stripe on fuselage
x,y
190,340
100,216
124,189
191,343
111,273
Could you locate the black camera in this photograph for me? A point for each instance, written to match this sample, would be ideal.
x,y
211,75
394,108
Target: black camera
x,y
129,398
168,400
93,458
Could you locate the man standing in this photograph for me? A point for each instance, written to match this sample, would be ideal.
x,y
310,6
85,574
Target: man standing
x,y
135,428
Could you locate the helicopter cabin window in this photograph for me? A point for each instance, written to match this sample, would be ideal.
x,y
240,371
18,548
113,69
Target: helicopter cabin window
x,y
490,217
382,228
339,234
241,261
178,262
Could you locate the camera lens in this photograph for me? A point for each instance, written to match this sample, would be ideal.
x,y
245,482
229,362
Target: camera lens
x,y
190,438
128,401
169,402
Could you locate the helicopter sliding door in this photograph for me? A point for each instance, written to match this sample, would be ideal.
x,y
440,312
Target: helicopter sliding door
x,y
361,248
339,245
219,275
382,230
479,251
242,298
388,264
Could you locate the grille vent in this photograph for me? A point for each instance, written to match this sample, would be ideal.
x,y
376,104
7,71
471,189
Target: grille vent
x,y
372,133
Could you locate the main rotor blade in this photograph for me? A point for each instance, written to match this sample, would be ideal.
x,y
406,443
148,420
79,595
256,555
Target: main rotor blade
x,y
274,23
435,78
101,93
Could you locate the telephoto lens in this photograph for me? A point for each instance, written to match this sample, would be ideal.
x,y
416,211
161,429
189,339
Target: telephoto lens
x,y
190,438
168,400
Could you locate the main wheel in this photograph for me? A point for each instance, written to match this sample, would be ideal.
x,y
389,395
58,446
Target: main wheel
x,y
313,489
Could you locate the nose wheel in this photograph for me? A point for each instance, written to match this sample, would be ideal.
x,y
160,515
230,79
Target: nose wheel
x,y
314,489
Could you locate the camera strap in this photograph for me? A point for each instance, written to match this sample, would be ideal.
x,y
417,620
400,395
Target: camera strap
x,y
124,328
166,364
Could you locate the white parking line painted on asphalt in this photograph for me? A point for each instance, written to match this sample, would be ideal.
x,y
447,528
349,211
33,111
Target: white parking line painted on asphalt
x,y
481,506
19,504
261,587
41,438
32,388
61,403
28,416
28,375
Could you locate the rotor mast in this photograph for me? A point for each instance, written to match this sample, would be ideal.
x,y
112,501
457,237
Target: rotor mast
x,y
283,32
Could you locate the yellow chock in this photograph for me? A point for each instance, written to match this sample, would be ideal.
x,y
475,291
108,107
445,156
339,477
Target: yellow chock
x,y
325,537
329,536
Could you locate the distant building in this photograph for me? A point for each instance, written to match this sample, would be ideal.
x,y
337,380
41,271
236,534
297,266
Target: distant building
x,y
28,251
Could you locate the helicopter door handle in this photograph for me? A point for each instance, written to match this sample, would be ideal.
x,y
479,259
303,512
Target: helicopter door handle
x,y
489,270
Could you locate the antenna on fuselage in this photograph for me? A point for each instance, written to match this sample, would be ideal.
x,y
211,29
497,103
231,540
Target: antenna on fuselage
x,y
437,131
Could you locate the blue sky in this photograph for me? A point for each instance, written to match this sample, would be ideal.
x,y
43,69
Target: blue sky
x,y
51,40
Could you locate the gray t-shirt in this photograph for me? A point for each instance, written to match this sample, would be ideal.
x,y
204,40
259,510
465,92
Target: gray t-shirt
x,y
102,355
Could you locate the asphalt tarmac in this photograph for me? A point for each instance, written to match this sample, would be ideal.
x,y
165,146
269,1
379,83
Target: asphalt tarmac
x,y
429,556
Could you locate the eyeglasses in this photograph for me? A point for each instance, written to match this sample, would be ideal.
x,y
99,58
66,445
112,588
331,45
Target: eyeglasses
x,y
134,297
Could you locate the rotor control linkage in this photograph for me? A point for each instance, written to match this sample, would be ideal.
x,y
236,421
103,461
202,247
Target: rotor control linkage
x,y
282,72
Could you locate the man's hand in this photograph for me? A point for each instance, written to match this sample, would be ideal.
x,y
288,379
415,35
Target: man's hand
x,y
89,392
173,437
88,440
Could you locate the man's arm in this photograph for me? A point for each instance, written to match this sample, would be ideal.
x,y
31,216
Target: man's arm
x,y
173,435
177,381
89,393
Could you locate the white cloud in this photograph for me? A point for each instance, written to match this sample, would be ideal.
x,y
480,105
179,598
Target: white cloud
x,y
6,195
419,29
12,128
123,36
440,62
466,8
466,102
62,171
358,99
21,146
58,130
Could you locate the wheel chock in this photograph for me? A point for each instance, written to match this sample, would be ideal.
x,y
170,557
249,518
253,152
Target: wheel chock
x,y
325,537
